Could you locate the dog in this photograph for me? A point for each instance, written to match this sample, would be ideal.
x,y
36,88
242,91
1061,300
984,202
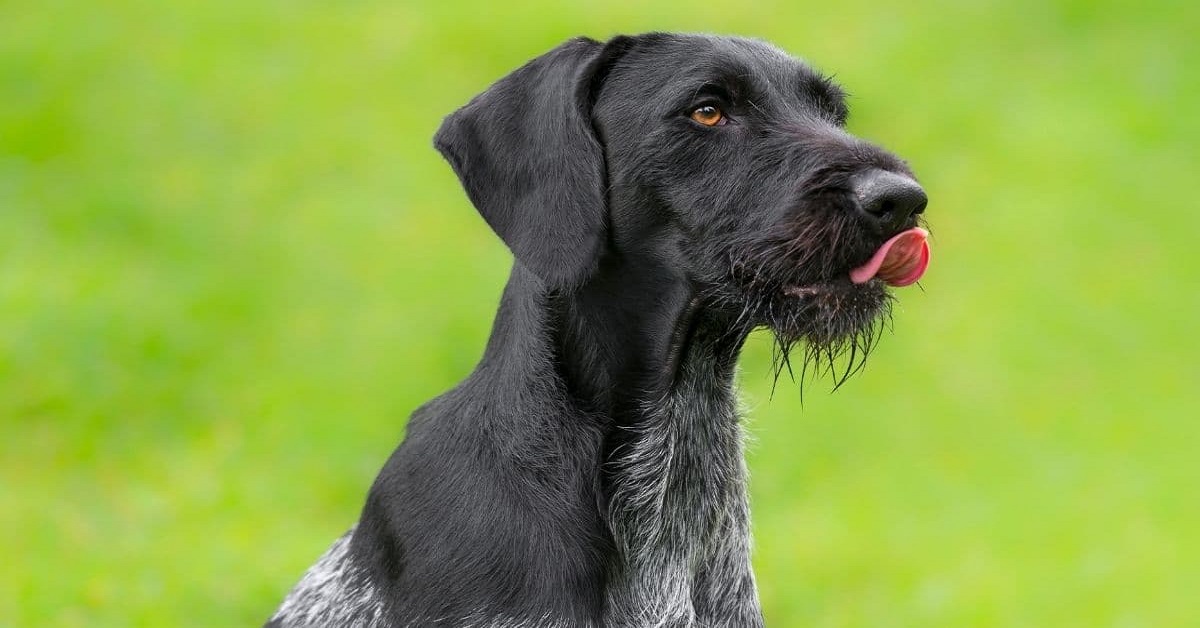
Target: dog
x,y
662,195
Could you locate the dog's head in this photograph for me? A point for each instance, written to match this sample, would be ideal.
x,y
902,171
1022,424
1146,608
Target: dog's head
x,y
724,161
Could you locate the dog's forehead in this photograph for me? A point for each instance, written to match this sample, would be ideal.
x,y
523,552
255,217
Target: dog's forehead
x,y
754,56
697,54
663,66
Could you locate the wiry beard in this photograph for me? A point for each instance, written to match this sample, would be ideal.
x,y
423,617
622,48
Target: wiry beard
x,y
823,355
795,282
831,332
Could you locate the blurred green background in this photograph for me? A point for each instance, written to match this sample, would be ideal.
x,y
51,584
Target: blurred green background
x,y
231,264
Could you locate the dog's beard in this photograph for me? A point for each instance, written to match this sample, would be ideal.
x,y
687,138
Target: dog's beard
x,y
832,333
796,284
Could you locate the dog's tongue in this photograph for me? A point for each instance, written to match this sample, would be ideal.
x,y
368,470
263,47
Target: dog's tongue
x,y
899,262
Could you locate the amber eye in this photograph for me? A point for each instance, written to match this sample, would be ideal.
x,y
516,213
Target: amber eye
x,y
708,115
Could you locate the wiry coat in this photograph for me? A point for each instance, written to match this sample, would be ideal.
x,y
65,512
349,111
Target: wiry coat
x,y
589,472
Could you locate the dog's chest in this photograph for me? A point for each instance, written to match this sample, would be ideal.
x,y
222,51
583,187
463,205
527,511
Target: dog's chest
x,y
679,514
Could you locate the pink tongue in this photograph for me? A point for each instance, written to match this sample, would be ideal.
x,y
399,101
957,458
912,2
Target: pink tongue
x,y
899,262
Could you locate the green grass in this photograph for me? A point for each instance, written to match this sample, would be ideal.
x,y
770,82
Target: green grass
x,y
231,264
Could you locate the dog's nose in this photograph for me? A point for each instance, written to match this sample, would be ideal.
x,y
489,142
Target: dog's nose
x,y
888,197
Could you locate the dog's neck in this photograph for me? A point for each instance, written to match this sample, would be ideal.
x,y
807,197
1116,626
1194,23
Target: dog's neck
x,y
655,367
625,339
631,337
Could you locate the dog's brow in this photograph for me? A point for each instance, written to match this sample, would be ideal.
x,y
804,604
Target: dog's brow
x,y
732,79
820,86
714,88
824,92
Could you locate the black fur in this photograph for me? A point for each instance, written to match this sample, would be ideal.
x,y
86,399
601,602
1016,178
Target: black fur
x,y
589,471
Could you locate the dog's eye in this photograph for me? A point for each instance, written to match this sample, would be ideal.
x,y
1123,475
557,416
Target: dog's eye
x,y
709,115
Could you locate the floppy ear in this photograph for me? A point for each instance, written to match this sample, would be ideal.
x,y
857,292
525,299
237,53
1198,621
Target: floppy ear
x,y
530,162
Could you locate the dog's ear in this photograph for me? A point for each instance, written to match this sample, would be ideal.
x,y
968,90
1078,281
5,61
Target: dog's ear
x,y
531,163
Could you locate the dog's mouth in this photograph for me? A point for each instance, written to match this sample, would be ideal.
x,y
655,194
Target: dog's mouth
x,y
844,313
900,261
825,288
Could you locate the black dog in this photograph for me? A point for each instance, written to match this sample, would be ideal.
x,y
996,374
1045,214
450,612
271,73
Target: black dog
x,y
663,195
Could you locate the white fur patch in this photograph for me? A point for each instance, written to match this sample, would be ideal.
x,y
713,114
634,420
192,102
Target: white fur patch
x,y
680,514
332,593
